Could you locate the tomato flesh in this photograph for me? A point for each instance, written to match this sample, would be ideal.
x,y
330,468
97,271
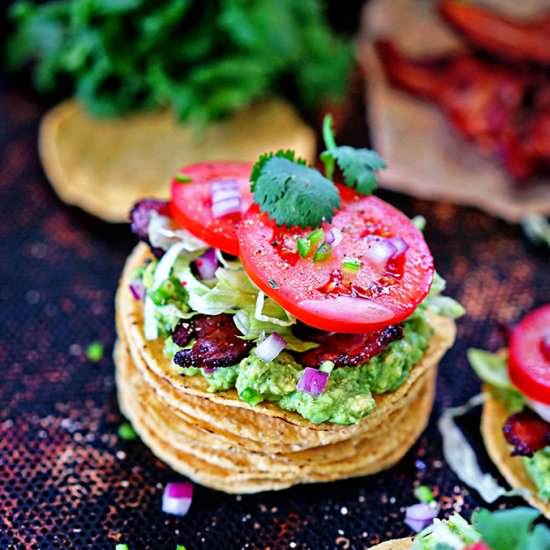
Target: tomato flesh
x,y
191,203
322,294
529,360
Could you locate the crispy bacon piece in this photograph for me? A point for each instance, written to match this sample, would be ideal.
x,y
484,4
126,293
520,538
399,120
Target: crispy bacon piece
x,y
527,433
500,35
504,111
217,342
346,350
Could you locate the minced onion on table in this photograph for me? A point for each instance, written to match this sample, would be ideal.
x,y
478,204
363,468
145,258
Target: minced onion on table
x,y
226,198
271,347
419,516
207,264
313,381
177,498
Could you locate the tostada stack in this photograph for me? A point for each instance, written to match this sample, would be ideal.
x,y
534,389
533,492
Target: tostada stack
x,y
277,328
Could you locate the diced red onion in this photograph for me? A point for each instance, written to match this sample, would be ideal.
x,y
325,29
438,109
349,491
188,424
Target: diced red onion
x,y
419,516
226,207
333,236
177,498
271,347
380,251
313,381
207,264
226,198
400,246
137,289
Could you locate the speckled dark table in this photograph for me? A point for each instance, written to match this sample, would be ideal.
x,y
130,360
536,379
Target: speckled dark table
x,y
67,480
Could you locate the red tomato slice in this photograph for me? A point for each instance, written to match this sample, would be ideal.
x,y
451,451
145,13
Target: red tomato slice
x,y
529,356
321,294
191,203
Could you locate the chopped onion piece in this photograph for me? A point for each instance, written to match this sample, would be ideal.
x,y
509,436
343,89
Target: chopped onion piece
x,y
164,267
149,321
177,498
379,252
137,289
313,381
400,246
334,236
226,207
207,264
225,194
419,516
271,347
540,408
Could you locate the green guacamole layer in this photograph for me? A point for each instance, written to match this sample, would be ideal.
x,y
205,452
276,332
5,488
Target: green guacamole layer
x,y
538,468
349,393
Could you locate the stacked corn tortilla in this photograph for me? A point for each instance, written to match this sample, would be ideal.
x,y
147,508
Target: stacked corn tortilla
x,y
222,442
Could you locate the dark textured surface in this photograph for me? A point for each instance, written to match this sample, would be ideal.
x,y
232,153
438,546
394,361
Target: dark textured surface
x,y
67,480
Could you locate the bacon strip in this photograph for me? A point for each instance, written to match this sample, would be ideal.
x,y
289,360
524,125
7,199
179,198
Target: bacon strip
x,y
527,433
217,342
346,350
504,110
500,35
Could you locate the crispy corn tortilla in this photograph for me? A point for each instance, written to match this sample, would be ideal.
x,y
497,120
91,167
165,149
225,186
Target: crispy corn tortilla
x,y
396,544
492,420
105,165
208,468
159,417
426,157
130,322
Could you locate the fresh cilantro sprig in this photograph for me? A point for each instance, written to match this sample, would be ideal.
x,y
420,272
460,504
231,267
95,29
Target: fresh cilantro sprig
x,y
292,193
295,194
359,166
511,529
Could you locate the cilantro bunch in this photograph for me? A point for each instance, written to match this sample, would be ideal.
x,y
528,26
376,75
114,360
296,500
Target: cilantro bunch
x,y
294,194
203,58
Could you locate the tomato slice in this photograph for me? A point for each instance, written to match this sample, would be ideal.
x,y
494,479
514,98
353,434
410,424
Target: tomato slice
x,y
529,355
323,294
191,203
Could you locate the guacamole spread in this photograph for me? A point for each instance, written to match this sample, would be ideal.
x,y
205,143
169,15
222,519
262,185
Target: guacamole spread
x,y
538,468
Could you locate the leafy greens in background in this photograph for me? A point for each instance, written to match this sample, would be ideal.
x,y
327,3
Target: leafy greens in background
x,y
204,58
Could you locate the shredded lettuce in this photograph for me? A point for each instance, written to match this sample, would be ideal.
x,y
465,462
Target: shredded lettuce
x,y
461,457
492,368
442,305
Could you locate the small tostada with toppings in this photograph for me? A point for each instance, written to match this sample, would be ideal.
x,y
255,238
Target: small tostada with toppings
x,y
284,313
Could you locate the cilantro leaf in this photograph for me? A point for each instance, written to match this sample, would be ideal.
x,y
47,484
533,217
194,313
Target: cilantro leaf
x,y
292,193
506,529
282,153
359,166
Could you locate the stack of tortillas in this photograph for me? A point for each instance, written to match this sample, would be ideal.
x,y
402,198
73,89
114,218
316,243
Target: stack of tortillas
x,y
105,165
221,442
426,157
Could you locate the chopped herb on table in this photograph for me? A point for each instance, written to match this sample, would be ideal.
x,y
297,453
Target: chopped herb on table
x,y
94,352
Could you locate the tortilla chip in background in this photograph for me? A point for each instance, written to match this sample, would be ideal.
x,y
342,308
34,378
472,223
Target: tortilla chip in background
x,y
396,544
105,165
511,467
209,469
426,157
